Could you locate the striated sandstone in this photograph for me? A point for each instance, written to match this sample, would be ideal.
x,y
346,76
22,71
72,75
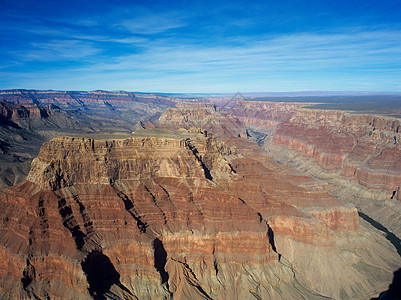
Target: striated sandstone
x,y
202,115
363,147
260,111
356,156
175,214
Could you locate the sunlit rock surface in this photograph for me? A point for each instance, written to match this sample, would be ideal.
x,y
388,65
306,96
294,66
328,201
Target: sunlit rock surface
x,y
180,214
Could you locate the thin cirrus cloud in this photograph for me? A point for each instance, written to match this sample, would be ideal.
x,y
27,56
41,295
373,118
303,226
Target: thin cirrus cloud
x,y
151,24
183,49
300,52
59,50
286,61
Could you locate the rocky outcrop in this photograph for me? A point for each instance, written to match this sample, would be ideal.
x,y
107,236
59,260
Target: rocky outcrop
x,y
30,117
183,215
203,115
355,155
19,112
23,129
263,113
363,147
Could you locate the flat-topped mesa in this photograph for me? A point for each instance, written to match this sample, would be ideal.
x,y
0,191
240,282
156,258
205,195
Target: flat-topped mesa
x,y
203,115
67,161
364,147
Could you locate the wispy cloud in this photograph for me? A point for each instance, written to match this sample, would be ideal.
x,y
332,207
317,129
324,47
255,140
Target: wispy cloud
x,y
368,60
153,51
59,50
304,52
153,24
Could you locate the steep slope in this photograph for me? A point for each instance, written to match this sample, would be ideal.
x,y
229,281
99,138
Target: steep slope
x,y
23,129
264,114
202,115
30,117
184,215
117,105
357,155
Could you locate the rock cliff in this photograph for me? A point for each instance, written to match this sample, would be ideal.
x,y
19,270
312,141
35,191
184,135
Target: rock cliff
x,y
264,114
364,147
30,117
23,129
357,155
180,214
203,115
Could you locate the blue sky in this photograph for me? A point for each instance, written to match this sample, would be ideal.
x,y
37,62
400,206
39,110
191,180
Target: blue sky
x,y
201,46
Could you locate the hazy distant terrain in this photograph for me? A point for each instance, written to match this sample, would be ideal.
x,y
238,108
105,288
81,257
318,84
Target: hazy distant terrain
x,y
378,104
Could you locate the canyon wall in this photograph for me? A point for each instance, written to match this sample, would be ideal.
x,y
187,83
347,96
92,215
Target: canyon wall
x,y
65,98
264,114
30,117
363,147
358,155
193,209
178,214
203,115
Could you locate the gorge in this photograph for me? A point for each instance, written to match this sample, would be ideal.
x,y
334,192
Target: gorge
x,y
154,197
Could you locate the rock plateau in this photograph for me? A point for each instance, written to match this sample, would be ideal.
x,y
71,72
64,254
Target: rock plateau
x,y
194,209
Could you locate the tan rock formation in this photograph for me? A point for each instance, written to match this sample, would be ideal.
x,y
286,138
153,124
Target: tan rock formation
x,y
335,147
183,215
364,147
203,115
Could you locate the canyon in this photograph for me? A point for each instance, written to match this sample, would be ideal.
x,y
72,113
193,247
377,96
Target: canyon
x,y
191,200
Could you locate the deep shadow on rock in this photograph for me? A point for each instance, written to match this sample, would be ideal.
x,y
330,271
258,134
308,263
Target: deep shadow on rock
x,y
394,290
100,273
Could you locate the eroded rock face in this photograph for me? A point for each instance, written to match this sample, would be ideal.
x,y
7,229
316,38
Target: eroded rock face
x,y
30,117
185,217
364,147
76,98
264,114
202,115
356,155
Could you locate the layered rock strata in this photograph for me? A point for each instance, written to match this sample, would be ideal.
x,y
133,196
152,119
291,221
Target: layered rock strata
x,y
23,129
264,114
359,155
363,147
202,115
76,98
30,117
183,215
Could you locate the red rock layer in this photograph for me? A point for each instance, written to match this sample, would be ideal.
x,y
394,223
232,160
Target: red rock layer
x,y
264,114
136,209
202,115
364,147
20,112
117,98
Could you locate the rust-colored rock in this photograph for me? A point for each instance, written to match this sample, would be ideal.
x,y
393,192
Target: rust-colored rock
x,y
175,214
365,147
264,114
202,115
356,155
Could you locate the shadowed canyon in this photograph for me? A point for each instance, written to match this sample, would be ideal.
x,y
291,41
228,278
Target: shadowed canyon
x,y
119,195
